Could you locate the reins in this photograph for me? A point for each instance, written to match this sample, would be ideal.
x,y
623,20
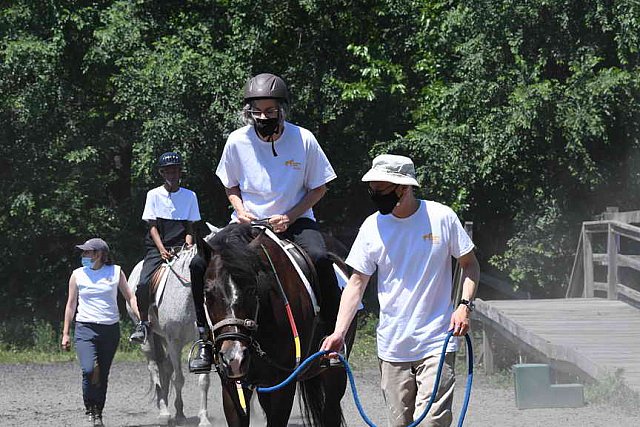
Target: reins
x,y
169,263
287,306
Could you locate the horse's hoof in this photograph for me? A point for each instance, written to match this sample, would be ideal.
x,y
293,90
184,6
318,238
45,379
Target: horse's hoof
x,y
204,420
181,420
163,419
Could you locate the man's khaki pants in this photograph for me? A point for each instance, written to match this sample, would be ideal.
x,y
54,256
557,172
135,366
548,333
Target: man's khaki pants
x,y
407,387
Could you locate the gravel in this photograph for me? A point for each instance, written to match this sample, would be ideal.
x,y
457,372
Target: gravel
x,y
50,395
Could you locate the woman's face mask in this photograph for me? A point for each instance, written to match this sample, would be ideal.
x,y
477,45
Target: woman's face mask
x,y
87,262
385,202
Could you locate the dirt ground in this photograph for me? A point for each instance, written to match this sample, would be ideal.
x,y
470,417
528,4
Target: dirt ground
x,y
50,395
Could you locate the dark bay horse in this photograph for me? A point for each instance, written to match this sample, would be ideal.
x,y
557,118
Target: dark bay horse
x,y
248,281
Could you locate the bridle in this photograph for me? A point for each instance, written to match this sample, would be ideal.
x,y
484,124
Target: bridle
x,y
247,324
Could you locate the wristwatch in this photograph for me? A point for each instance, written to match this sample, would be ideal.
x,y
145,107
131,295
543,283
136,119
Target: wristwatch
x,y
470,305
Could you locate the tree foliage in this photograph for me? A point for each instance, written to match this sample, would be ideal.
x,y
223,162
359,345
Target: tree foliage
x,y
521,115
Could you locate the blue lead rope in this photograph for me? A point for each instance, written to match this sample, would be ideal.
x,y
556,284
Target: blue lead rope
x,y
467,394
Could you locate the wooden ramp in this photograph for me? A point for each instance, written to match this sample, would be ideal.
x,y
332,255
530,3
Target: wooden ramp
x,y
594,335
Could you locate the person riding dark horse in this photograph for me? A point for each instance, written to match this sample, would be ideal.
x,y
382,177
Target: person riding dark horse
x,y
272,169
265,323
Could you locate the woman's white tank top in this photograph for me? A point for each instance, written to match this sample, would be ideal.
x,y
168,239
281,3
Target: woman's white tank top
x,y
97,294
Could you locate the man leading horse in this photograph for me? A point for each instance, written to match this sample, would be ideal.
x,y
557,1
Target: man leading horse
x,y
272,169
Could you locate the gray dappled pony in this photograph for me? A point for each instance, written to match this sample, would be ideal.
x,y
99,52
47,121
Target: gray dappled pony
x,y
172,327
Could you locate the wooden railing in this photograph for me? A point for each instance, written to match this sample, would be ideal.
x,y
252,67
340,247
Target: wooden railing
x,y
612,259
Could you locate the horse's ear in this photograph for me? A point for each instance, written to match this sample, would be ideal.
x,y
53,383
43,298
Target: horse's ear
x,y
256,233
204,249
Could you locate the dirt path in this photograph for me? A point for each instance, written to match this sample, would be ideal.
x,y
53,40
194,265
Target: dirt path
x,y
50,395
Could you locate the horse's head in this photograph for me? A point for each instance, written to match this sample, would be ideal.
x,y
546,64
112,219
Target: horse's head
x,y
232,283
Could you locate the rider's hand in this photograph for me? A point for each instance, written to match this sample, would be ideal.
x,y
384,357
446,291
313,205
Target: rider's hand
x,y
66,342
245,217
165,254
280,223
460,320
333,343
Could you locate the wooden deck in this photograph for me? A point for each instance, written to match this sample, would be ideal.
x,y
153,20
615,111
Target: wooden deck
x,y
596,336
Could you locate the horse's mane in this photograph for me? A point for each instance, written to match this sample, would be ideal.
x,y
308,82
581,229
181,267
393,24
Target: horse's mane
x,y
239,259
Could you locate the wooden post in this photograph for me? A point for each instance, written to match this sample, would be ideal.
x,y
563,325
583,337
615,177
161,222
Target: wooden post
x,y
587,253
612,263
487,354
468,227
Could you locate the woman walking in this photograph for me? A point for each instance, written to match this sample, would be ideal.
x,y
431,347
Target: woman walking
x,y
93,291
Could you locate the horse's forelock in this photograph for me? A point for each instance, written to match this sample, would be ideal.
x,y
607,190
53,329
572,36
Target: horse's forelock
x,y
237,257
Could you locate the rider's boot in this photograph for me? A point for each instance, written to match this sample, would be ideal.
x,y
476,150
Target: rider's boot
x,y
139,335
204,356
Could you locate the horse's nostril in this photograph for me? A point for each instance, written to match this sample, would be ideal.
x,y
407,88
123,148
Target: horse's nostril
x,y
223,359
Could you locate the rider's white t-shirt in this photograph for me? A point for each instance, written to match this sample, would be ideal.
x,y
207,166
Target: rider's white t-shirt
x,y
413,258
272,185
97,294
181,205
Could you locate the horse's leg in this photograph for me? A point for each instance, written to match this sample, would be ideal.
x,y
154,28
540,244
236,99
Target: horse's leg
x,y
334,383
232,411
277,405
178,380
203,382
152,349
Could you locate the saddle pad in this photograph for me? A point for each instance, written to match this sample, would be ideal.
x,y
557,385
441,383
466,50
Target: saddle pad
x,y
134,278
161,283
307,285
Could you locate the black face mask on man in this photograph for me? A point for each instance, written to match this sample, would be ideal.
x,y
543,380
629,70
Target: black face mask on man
x,y
384,202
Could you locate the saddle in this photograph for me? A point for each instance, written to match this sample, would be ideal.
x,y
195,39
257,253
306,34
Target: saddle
x,y
156,279
159,277
302,264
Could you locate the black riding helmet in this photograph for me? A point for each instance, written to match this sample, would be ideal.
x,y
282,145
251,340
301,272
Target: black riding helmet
x,y
265,86
169,158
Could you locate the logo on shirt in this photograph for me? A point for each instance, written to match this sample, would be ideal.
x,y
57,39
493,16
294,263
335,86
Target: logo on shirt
x,y
432,237
293,164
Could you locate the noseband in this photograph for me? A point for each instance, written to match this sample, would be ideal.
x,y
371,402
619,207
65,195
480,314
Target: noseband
x,y
248,324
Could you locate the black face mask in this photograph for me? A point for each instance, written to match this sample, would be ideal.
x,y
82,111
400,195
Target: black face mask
x,y
385,202
266,127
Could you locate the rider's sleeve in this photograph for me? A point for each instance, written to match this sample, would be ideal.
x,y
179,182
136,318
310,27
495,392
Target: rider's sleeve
x,y
149,213
227,169
318,170
194,209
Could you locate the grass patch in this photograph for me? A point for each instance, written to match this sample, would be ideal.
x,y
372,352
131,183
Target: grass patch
x,y
611,390
364,353
39,342
501,379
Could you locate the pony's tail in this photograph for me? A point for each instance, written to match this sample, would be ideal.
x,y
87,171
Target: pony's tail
x,y
313,404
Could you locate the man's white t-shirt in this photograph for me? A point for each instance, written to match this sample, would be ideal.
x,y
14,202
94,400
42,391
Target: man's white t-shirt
x,y
181,205
272,185
413,258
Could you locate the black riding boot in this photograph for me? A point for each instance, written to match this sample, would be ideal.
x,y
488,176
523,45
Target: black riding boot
x,y
204,356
